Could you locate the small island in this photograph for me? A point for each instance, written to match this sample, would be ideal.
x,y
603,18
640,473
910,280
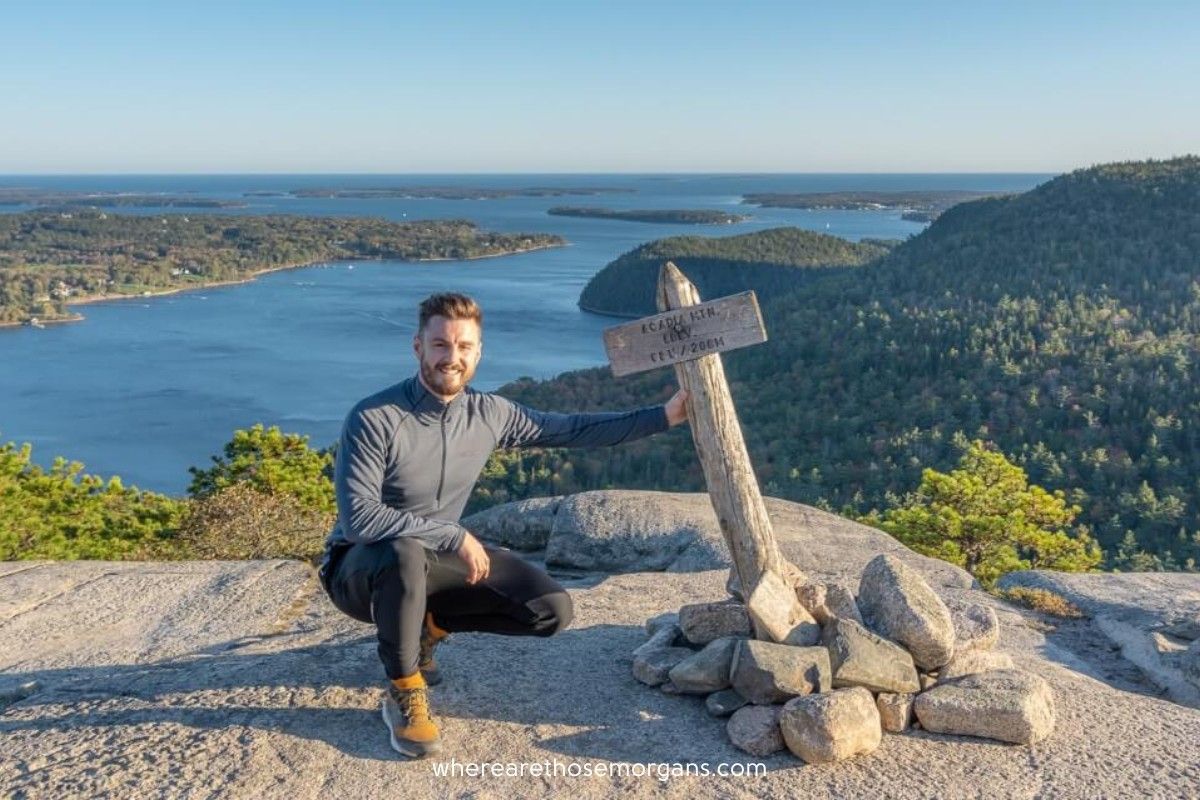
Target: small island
x,y
917,206
17,196
665,216
771,262
452,192
52,260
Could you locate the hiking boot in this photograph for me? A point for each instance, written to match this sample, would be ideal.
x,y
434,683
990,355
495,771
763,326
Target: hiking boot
x,y
431,634
406,712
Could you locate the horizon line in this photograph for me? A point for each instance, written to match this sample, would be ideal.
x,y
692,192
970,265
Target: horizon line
x,y
735,173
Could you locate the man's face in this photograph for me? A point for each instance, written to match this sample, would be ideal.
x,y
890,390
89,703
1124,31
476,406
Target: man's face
x,y
448,351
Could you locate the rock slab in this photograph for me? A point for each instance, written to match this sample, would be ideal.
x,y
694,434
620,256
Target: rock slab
x,y
1006,705
859,657
654,666
765,672
707,671
974,661
706,622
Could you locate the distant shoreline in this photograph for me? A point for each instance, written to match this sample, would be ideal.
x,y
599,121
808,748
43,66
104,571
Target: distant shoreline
x,y
667,216
106,298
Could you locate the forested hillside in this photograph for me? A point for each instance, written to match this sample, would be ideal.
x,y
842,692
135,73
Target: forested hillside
x,y
1061,325
770,261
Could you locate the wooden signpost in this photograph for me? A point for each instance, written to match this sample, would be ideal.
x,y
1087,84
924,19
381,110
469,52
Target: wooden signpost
x,y
690,335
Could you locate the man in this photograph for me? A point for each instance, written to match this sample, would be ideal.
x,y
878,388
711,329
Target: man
x,y
406,462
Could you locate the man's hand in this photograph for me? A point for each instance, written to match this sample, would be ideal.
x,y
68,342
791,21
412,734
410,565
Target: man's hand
x,y
478,563
677,408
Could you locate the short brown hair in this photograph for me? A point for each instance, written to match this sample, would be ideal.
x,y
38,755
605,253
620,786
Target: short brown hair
x,y
450,305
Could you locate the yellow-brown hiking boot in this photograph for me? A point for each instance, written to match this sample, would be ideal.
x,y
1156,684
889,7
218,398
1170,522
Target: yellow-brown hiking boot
x,y
406,712
431,634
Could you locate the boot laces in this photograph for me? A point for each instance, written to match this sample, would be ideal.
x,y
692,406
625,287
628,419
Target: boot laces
x,y
415,705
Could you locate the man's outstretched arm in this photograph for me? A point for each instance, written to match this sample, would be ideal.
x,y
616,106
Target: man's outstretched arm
x,y
527,427
358,481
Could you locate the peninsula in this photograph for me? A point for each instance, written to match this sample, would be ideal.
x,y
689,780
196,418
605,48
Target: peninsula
x,y
50,260
672,216
918,206
19,196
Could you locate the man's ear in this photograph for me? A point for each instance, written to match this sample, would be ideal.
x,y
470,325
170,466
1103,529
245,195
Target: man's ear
x,y
417,346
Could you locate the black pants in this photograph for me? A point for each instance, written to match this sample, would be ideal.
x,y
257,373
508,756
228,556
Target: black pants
x,y
393,583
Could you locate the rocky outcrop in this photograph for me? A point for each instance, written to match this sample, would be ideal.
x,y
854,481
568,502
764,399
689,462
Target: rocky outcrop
x,y
522,525
148,680
1142,614
639,531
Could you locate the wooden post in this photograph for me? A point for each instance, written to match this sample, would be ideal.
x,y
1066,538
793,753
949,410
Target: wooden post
x,y
732,485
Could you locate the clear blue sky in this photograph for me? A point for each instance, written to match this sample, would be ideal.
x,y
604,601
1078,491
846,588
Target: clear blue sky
x,y
572,86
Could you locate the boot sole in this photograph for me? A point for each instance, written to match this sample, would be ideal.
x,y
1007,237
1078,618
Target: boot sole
x,y
406,748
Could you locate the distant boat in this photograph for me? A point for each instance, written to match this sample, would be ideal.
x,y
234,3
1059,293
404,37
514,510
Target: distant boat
x,y
349,266
34,322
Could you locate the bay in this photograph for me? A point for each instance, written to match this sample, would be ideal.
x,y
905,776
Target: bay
x,y
144,388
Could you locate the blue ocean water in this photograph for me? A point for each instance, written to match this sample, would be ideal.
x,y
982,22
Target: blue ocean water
x,y
144,388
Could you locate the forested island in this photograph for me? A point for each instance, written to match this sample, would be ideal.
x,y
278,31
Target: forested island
x,y
50,260
918,206
1061,325
770,262
453,192
663,216
17,196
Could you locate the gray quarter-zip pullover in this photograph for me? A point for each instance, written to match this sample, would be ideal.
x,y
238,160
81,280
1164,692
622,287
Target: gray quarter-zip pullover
x,y
407,461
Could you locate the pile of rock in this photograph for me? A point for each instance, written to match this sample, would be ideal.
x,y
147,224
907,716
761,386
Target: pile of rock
x,y
809,667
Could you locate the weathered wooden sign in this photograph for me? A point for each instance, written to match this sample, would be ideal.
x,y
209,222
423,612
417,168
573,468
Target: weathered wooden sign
x,y
685,333
666,339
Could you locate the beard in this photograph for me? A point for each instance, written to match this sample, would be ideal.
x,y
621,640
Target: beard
x,y
447,379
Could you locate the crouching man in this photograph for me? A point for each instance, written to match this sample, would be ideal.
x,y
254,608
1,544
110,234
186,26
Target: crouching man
x,y
406,463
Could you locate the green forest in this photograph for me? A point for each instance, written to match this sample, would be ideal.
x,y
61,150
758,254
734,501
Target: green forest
x,y
50,258
1060,325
